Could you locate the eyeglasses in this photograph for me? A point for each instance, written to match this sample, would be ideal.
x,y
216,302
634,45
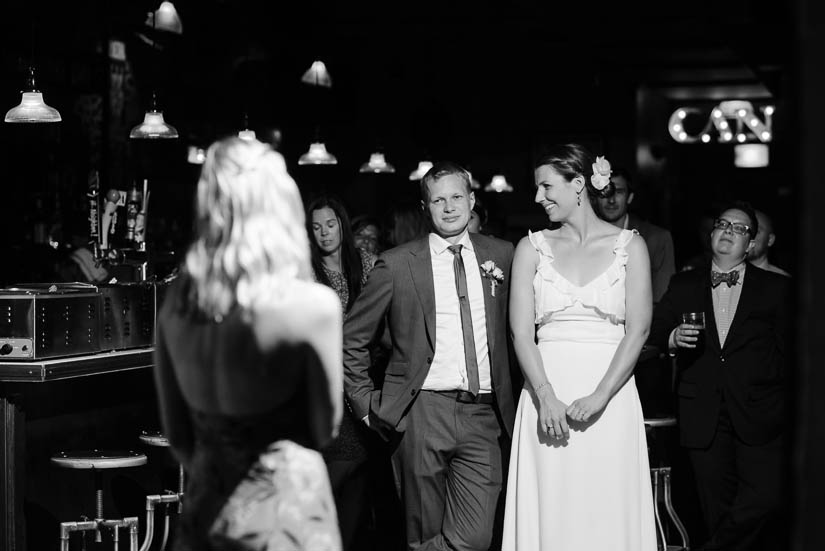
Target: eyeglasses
x,y
736,227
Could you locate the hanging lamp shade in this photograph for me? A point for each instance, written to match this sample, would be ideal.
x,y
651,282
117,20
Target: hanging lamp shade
x,y
32,108
498,185
246,133
317,75
195,155
423,167
317,155
153,126
166,18
377,164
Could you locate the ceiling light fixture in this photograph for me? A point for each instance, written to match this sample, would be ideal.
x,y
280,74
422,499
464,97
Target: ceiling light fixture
x,y
317,75
317,155
167,19
195,155
153,126
246,133
32,108
421,170
498,184
377,164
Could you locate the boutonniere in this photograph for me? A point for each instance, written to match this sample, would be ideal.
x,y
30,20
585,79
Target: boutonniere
x,y
494,274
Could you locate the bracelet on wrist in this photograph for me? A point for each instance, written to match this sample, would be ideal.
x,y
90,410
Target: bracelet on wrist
x,y
541,386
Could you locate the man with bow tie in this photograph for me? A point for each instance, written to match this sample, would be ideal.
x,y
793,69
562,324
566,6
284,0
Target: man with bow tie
x,y
731,388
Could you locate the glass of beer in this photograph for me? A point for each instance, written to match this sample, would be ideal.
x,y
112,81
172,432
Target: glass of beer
x,y
697,321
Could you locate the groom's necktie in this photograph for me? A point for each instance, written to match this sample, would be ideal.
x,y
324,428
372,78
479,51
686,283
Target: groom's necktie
x,y
466,319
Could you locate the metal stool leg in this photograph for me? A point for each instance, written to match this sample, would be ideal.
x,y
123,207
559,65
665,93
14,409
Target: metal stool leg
x,y
181,485
660,529
98,502
672,512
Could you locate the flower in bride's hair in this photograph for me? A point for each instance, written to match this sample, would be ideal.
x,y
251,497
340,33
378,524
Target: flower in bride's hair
x,y
601,173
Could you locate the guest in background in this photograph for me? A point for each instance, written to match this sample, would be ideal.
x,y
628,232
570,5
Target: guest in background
x,y
249,354
339,264
732,384
367,233
765,238
614,209
478,218
406,223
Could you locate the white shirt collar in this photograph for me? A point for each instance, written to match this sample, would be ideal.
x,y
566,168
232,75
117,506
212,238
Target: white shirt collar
x,y
438,244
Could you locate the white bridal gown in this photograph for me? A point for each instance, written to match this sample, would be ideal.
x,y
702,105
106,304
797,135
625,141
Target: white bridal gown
x,y
591,491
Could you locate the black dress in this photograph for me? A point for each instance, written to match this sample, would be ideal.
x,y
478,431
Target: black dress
x,y
223,401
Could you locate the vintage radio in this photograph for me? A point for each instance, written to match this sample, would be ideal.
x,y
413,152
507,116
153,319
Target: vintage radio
x,y
42,321
127,315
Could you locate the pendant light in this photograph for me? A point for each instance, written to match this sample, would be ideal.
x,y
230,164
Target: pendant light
x,y
153,126
317,155
246,133
167,19
499,184
421,170
32,108
377,164
317,75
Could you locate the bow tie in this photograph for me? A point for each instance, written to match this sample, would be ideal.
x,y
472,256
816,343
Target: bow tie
x,y
731,278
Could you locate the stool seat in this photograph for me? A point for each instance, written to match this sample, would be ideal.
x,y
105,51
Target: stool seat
x,y
99,459
654,422
154,438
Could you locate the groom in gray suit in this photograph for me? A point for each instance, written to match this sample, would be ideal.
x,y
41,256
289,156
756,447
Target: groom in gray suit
x,y
446,402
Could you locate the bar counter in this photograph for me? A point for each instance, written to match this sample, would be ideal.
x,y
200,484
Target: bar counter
x,y
98,401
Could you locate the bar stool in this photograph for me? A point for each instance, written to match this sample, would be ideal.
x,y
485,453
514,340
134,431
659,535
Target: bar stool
x,y
662,479
98,460
157,439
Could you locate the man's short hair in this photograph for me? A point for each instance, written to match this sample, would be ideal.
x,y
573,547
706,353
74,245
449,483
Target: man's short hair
x,y
438,171
622,173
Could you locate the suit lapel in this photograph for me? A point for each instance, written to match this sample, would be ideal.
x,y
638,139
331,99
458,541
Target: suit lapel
x,y
750,288
421,269
482,255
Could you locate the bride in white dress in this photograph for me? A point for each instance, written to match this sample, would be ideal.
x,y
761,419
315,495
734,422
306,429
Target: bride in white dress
x,y
579,478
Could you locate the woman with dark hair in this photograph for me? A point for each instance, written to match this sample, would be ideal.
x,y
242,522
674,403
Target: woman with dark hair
x,y
579,475
337,263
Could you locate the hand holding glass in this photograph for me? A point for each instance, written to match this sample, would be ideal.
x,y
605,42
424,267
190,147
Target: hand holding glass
x,y
690,334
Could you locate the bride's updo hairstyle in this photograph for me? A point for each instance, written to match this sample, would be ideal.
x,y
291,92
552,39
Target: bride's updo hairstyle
x,y
251,241
571,160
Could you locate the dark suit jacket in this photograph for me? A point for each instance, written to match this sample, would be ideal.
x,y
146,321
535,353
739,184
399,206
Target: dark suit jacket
x,y
660,248
750,370
400,287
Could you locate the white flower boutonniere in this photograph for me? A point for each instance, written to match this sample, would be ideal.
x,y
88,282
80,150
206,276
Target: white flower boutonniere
x,y
494,274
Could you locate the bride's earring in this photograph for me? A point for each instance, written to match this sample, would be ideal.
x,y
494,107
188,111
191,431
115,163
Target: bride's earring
x,y
579,198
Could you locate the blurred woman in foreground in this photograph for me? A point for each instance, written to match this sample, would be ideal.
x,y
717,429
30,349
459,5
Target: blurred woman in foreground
x,y
248,363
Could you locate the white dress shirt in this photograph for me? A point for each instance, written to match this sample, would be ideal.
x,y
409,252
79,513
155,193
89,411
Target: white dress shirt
x,y
725,301
449,368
